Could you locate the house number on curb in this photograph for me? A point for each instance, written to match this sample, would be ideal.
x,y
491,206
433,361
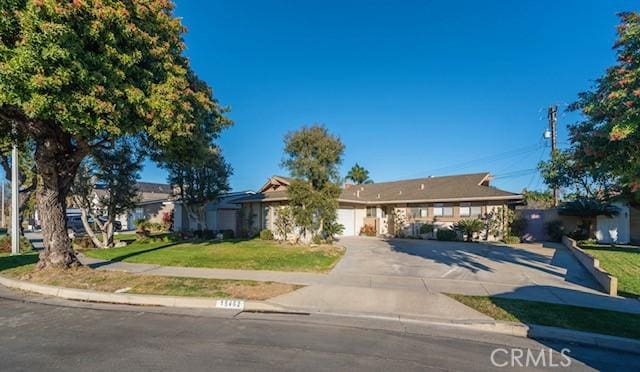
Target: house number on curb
x,y
230,304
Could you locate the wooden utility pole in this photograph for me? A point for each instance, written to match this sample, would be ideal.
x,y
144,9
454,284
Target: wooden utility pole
x,y
553,121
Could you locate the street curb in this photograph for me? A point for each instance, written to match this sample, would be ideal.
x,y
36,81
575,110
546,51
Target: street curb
x,y
499,327
133,299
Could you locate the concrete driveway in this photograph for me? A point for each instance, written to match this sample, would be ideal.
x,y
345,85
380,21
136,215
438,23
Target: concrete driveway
x,y
542,272
484,264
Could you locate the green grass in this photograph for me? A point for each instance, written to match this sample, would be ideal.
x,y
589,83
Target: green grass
x,y
23,267
235,254
623,263
563,316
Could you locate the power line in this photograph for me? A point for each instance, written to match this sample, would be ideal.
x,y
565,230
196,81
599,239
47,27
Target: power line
x,y
514,174
485,159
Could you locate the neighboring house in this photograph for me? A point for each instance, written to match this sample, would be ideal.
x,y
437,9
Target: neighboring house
x,y
154,200
221,214
443,200
621,229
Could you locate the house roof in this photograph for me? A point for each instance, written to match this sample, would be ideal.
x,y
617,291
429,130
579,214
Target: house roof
x,y
433,189
465,187
160,188
147,192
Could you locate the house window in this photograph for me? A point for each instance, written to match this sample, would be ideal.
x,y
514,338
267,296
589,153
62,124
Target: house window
x,y
476,211
439,210
383,212
371,211
419,212
465,209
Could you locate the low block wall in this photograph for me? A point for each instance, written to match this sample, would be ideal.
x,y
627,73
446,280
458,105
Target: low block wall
x,y
592,264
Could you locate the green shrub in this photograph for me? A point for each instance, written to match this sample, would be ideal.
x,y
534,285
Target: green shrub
x,y
469,227
519,226
555,230
3,231
426,228
228,234
579,234
446,235
317,239
511,239
266,234
204,234
5,244
83,242
368,230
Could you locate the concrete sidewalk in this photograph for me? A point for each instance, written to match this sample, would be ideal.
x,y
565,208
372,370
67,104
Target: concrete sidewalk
x,y
367,287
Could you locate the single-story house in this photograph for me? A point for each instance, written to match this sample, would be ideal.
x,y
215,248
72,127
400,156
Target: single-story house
x,y
154,200
439,200
220,214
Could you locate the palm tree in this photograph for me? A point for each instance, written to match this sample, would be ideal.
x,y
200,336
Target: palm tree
x,y
359,175
469,227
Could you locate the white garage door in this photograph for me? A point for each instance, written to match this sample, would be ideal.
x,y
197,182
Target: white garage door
x,y
347,217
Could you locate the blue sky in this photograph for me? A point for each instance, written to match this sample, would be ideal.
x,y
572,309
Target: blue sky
x,y
413,88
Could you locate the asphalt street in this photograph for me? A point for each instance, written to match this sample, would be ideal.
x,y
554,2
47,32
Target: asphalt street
x,y
51,335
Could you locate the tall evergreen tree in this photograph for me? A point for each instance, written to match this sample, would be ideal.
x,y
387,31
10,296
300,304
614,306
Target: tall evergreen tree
x,y
312,156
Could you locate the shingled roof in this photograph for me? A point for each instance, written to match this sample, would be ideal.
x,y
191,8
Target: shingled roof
x,y
465,187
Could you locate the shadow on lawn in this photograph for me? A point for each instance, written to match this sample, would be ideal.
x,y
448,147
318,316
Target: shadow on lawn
x,y
164,246
132,254
10,262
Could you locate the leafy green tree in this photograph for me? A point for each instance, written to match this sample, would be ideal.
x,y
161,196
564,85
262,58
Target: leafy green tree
x,y
199,179
566,170
538,199
359,175
284,223
76,75
608,139
116,169
312,157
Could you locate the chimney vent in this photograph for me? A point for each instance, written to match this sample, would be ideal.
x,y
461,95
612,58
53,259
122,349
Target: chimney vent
x,y
422,186
378,196
357,193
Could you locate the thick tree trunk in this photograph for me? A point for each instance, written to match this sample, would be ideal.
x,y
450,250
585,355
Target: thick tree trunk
x,y
57,158
57,245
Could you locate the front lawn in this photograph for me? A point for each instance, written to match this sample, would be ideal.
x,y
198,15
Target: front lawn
x,y
555,315
623,263
235,254
22,268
